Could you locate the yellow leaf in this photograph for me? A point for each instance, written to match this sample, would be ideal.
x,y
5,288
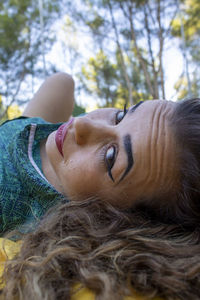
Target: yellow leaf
x,y
14,112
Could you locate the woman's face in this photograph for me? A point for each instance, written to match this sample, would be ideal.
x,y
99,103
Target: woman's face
x,y
118,157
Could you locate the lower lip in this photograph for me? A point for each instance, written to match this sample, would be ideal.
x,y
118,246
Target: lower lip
x,y
61,134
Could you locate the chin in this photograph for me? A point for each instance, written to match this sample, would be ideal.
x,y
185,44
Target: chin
x,y
51,148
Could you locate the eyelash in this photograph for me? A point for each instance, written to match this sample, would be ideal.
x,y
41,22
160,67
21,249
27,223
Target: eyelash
x,y
103,157
125,110
104,152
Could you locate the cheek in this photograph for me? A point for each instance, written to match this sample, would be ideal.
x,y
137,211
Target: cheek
x,y
52,151
79,179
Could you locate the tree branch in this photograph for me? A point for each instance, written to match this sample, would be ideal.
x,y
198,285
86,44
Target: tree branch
x,y
138,53
121,55
149,40
161,44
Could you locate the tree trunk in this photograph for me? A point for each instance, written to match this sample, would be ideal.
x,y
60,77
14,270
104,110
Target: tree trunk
x,y
129,86
139,55
161,42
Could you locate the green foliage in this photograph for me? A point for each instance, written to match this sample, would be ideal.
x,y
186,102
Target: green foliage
x,y
78,110
4,118
190,21
104,80
99,77
128,40
128,45
20,43
95,23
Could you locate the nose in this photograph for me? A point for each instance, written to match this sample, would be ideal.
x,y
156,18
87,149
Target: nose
x,y
91,131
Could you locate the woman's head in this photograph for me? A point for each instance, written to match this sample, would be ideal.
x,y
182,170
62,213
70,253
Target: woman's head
x,y
121,157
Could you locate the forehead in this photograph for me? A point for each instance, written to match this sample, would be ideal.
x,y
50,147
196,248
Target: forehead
x,y
150,106
153,147
148,124
146,108
149,116
102,113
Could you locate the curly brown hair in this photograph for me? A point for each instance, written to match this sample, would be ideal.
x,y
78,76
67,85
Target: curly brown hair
x,y
108,251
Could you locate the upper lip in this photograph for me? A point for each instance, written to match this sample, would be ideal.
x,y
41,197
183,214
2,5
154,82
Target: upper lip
x,y
61,134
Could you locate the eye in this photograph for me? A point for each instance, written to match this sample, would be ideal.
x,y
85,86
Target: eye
x,y
110,157
120,115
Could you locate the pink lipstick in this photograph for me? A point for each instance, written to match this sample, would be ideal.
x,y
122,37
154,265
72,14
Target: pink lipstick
x,y
61,134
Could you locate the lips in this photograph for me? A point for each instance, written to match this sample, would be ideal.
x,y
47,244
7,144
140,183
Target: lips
x,y
61,134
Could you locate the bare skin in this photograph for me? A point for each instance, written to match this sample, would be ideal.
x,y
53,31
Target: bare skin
x,y
82,170
121,161
54,101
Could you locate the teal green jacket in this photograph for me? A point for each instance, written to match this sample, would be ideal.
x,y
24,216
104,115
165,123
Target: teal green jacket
x,y
25,193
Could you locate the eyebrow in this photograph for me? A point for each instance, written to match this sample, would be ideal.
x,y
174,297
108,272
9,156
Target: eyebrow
x,y
128,149
133,108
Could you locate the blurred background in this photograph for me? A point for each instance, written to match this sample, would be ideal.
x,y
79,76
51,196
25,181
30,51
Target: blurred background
x,y
118,51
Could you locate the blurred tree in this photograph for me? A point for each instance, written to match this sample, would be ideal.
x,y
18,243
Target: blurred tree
x,y
187,25
99,78
104,80
70,44
20,44
2,110
78,110
132,35
13,111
